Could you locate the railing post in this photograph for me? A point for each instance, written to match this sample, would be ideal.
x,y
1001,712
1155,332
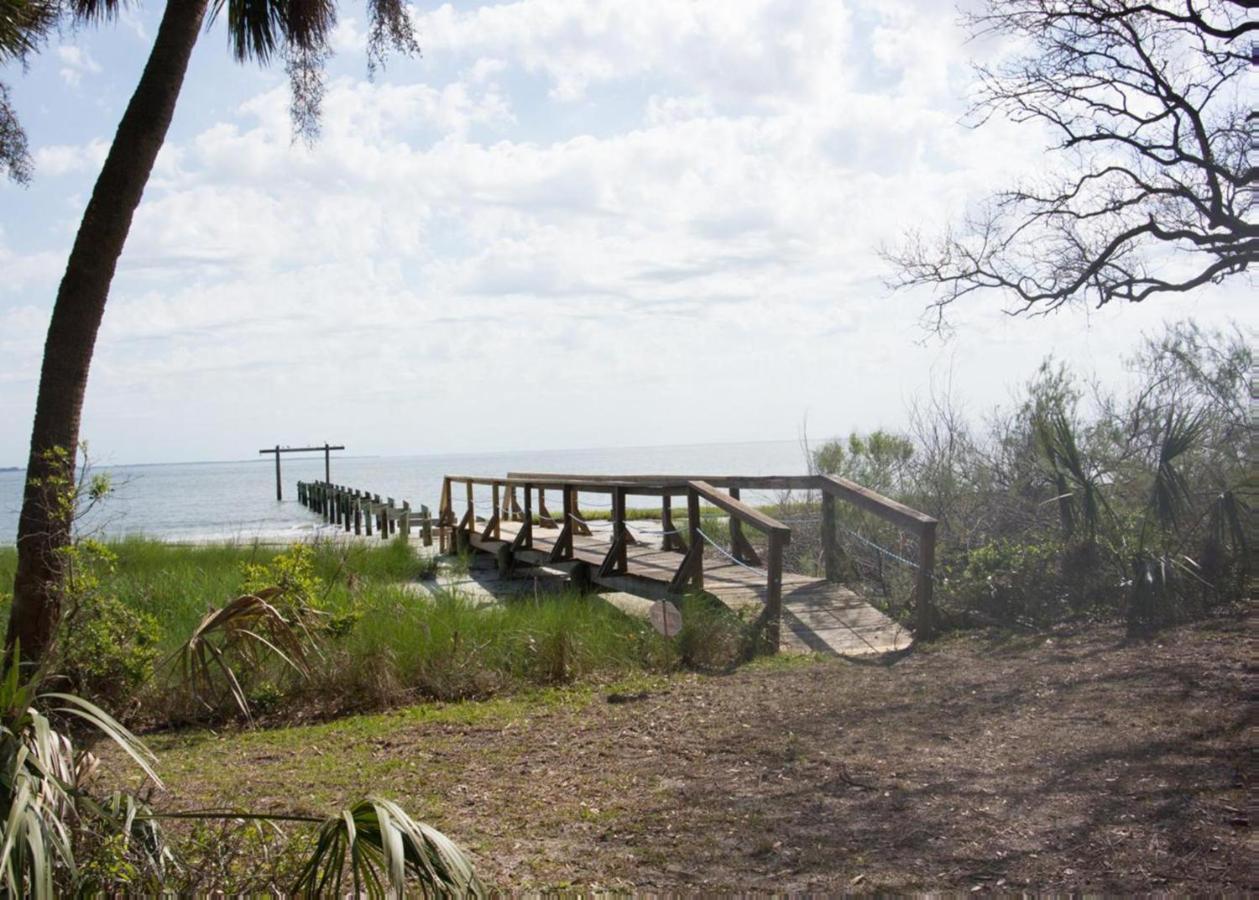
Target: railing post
x,y
494,511
668,541
526,526
774,591
697,539
618,530
426,523
925,611
406,520
736,530
830,549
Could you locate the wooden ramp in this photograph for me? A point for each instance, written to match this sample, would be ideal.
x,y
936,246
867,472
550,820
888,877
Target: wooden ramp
x,y
818,616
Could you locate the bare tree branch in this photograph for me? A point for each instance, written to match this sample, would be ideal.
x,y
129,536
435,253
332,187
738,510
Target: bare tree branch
x,y
1156,187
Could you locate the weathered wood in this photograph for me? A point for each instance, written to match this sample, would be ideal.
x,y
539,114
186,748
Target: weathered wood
x,y
494,504
897,513
740,547
527,518
773,589
696,553
544,514
692,562
579,525
924,612
830,544
738,509
563,548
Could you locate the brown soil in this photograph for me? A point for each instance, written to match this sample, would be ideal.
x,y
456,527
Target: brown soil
x,y
1074,761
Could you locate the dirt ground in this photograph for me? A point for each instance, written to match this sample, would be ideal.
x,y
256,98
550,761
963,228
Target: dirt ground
x,y
1071,761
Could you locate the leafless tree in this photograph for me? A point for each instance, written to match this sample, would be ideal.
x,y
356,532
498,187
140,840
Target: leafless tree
x,y
1153,131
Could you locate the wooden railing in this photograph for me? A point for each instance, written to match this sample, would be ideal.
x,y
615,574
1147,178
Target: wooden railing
x,y
356,510
920,525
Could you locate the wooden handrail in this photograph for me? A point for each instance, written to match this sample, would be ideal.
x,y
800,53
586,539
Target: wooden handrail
x,y
898,513
739,509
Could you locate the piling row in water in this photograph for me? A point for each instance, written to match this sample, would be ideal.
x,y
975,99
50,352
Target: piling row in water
x,y
358,511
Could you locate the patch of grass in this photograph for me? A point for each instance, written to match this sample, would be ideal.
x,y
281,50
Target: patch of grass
x,y
379,644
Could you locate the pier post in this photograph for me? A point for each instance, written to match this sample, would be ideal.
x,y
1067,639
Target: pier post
x,y
279,490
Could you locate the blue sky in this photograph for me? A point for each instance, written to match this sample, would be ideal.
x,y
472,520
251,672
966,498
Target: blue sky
x,y
567,224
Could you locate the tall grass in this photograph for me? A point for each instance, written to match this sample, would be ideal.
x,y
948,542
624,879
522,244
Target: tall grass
x,y
382,641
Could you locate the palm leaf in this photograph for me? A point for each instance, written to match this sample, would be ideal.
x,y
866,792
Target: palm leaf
x,y
241,629
385,846
1169,492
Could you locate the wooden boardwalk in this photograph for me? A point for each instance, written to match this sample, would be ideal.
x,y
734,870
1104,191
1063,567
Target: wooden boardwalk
x,y
787,611
818,616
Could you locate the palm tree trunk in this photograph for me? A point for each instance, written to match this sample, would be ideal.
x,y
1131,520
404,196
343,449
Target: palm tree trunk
x,y
46,518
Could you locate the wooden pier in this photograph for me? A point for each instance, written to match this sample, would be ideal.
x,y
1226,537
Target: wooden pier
x,y
356,510
790,611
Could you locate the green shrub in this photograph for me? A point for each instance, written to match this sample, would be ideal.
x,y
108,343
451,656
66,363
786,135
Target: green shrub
x,y
1007,582
105,648
293,572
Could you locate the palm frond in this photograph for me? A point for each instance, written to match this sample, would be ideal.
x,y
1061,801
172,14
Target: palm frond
x,y
259,29
1169,493
374,847
95,10
1076,482
23,26
248,629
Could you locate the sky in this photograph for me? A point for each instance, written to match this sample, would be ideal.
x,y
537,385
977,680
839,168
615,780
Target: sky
x,y
566,224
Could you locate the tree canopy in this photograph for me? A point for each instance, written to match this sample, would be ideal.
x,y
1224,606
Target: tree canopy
x,y
1152,190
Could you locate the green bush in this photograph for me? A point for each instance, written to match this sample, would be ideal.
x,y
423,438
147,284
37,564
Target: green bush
x,y
293,572
1007,582
105,648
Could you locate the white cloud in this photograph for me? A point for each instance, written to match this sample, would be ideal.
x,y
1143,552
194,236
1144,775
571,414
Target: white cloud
x,y
75,63
577,204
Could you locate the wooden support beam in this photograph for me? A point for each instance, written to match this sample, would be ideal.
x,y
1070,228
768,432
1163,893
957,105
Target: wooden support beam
x,y
697,540
830,542
924,612
526,524
544,514
774,590
563,548
671,540
692,563
741,548
579,524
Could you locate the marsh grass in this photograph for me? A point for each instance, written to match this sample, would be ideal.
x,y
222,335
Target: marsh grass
x,y
392,644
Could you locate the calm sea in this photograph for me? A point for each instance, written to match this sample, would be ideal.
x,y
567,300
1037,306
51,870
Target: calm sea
x,y
236,500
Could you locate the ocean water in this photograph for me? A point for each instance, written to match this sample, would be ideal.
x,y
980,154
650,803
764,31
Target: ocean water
x,y
236,500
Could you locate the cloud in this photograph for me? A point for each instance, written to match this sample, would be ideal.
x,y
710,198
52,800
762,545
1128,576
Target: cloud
x,y
564,207
75,63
